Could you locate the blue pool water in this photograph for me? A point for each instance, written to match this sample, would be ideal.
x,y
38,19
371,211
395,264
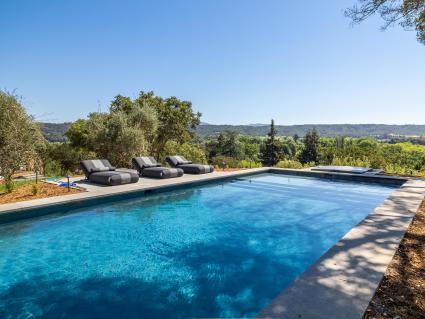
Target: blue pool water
x,y
220,250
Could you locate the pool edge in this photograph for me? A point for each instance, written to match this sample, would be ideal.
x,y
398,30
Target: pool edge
x,y
342,282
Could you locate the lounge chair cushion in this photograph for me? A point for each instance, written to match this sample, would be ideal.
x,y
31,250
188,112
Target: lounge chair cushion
x,y
102,169
149,167
93,166
178,160
189,168
102,172
196,168
145,162
162,172
114,177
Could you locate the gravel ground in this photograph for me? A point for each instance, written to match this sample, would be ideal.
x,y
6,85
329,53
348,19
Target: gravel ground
x,y
401,293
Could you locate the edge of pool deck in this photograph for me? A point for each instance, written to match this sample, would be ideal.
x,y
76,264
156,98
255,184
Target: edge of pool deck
x,y
340,284
343,281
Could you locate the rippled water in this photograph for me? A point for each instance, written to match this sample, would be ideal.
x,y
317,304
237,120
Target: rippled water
x,y
221,250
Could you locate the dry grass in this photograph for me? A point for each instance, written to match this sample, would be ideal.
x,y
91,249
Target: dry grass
x,y
401,293
25,192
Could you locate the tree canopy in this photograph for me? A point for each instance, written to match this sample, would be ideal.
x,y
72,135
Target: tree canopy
x,y
410,14
310,152
21,140
142,126
270,152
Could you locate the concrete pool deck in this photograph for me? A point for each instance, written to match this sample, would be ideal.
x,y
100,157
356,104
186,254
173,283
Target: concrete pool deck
x,y
339,285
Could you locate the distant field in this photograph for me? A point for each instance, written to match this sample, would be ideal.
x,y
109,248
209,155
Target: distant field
x,y
54,132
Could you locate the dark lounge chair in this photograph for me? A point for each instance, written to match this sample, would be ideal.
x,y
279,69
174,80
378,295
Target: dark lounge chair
x,y
187,166
102,172
147,166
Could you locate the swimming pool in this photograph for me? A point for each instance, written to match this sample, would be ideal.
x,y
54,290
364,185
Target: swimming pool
x,y
220,250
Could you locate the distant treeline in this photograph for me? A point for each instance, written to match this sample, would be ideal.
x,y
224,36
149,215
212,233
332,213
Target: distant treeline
x,y
329,130
54,132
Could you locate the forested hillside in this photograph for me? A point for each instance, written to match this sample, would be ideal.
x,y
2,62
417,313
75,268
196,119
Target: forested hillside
x,y
54,132
330,130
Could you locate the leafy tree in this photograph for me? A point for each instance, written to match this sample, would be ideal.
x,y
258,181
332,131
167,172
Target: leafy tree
x,y
271,148
311,147
410,14
21,140
288,148
227,144
177,121
118,135
252,152
63,158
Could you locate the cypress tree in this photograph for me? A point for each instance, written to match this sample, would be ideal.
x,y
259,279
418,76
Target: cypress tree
x,y
271,148
311,146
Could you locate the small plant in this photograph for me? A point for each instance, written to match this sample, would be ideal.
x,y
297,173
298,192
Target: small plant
x,y
34,189
9,185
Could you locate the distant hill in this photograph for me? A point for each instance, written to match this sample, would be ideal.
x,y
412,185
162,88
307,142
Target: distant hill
x,y
54,132
353,130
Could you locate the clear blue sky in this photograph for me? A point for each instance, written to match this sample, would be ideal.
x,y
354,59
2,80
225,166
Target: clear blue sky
x,y
238,61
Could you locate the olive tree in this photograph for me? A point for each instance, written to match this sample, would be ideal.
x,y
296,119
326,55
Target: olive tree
x,y
118,135
21,140
410,14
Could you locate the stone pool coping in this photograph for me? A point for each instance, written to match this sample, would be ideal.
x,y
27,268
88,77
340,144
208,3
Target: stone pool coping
x,y
340,284
343,281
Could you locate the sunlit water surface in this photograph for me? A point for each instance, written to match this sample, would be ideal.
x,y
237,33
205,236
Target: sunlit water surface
x,y
221,250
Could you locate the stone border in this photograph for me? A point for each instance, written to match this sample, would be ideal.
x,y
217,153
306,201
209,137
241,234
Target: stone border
x,y
340,284
343,281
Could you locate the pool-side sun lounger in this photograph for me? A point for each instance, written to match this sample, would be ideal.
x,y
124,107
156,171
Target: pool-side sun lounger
x,y
102,172
147,166
187,166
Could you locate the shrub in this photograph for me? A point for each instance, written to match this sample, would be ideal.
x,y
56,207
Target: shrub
x,y
34,189
224,162
292,164
249,164
9,185
191,152
52,168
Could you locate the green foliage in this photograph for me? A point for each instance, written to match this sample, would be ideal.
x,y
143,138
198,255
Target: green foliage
x,y
310,150
226,144
9,185
290,164
63,158
21,139
118,135
270,150
177,121
330,130
249,164
409,14
34,189
190,151
222,161
52,168
142,126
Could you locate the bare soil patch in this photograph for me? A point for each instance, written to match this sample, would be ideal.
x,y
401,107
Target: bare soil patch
x,y
401,293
